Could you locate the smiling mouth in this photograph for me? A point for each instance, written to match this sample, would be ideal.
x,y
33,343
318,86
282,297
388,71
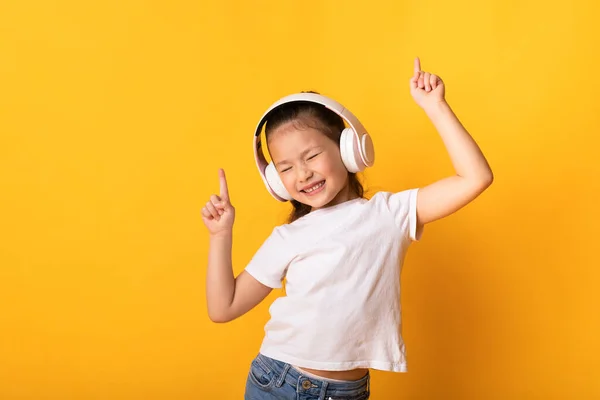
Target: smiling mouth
x,y
314,188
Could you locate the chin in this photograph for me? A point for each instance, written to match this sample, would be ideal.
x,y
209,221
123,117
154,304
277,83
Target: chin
x,y
317,204
312,202
320,201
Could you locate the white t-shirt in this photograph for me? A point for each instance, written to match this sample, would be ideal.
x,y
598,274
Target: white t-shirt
x,y
342,269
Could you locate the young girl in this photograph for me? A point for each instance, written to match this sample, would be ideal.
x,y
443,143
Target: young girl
x,y
340,254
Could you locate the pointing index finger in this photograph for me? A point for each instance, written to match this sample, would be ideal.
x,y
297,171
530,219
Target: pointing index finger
x,y
417,65
224,191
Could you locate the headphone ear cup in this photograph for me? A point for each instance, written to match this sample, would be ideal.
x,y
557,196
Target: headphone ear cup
x,y
275,182
349,150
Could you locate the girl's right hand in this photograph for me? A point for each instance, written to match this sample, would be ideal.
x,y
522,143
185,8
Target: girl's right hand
x,y
218,214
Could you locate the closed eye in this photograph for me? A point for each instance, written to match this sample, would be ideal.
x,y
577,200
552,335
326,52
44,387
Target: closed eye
x,y
285,169
313,156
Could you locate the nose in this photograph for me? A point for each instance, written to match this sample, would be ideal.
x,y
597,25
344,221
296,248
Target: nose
x,y
303,174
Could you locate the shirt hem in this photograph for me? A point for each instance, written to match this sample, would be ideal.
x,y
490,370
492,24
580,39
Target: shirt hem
x,y
336,366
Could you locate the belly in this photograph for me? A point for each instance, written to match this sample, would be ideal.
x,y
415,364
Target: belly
x,y
351,375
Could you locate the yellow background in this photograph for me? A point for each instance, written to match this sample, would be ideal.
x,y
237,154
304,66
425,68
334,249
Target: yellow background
x,y
114,117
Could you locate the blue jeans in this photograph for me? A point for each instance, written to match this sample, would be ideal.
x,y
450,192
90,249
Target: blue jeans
x,y
270,379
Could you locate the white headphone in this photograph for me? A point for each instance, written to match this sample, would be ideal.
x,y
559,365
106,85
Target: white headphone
x,y
356,146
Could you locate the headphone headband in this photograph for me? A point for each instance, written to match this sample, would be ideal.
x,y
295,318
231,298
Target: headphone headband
x,y
359,131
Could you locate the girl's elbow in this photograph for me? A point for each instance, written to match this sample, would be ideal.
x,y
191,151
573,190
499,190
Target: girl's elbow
x,y
488,179
219,317
478,184
484,178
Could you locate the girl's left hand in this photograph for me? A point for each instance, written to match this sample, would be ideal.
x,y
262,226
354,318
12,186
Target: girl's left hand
x,y
427,89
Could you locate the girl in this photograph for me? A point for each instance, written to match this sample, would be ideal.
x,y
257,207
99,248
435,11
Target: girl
x,y
340,254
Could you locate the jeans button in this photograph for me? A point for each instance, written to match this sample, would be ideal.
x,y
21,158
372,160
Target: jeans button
x,y
306,385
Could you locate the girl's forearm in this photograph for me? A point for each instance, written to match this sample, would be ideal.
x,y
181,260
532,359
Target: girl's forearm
x,y
466,156
220,281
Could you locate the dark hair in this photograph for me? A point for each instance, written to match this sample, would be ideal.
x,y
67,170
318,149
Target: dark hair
x,y
306,114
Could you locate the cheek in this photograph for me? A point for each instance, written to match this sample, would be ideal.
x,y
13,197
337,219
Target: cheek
x,y
289,181
331,167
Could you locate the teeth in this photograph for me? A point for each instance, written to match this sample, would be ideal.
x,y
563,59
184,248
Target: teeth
x,y
318,185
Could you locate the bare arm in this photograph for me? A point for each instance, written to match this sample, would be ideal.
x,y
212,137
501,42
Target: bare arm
x,y
473,174
226,297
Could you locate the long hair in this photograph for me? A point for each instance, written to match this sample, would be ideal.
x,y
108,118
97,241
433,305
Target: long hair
x,y
305,114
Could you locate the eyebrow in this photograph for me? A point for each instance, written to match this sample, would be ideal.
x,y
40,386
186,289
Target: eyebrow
x,y
305,152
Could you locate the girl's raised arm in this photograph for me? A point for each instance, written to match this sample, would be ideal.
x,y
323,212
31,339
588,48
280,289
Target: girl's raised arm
x,y
473,174
226,297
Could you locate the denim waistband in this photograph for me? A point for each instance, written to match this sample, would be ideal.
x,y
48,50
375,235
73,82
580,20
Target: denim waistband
x,y
309,384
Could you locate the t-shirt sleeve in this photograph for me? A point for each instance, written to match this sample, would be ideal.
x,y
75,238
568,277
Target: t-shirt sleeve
x,y
403,207
269,264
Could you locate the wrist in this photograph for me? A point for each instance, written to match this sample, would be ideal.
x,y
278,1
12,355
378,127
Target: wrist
x,y
222,235
437,109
